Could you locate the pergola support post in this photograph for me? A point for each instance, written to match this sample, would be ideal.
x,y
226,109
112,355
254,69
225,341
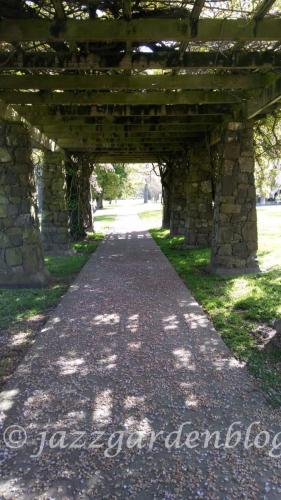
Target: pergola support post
x,y
234,244
55,219
199,195
21,254
178,199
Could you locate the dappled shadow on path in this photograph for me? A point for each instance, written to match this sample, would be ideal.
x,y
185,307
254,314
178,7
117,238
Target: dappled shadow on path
x,y
129,350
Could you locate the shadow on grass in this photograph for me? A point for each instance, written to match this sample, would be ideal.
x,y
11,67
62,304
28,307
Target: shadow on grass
x,y
235,305
20,304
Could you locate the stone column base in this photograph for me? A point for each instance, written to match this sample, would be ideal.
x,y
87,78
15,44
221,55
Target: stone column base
x,y
54,228
21,255
235,239
235,271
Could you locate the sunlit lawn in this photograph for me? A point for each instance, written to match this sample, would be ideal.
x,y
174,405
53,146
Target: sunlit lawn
x,y
237,305
103,221
153,217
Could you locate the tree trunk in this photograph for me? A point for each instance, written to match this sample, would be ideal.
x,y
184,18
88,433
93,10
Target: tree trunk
x,y
74,201
146,194
166,219
99,201
85,195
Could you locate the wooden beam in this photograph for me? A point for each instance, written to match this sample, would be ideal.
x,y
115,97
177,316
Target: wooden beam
x,y
121,122
168,59
139,30
124,157
125,82
121,111
135,98
163,137
87,144
117,145
270,96
122,131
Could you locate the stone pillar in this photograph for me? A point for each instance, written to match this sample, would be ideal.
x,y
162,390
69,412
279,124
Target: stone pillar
x,y
199,195
21,254
234,243
178,183
54,225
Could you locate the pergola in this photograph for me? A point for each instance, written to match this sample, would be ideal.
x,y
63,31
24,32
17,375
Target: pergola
x,y
134,80
173,81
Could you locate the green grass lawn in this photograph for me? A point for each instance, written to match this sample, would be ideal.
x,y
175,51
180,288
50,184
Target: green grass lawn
x,y
21,304
238,305
104,222
153,217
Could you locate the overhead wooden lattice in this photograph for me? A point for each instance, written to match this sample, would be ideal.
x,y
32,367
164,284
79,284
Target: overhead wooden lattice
x,y
136,80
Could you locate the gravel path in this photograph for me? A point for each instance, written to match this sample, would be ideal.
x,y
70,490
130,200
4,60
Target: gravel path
x,y
129,351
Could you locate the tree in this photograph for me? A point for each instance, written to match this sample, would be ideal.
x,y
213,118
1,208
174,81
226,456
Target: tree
x,y
268,154
108,181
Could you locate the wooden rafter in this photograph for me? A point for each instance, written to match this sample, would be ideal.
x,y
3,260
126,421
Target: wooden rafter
x,y
140,61
139,30
129,98
131,122
187,82
270,96
127,112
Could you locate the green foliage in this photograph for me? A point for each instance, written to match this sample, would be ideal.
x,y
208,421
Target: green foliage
x,y
267,154
109,181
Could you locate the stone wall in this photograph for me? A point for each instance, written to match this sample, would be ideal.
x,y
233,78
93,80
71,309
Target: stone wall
x,y
178,202
191,196
234,243
199,196
21,255
55,219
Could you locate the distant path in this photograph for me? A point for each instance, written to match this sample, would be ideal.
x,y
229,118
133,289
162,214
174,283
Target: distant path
x,y
128,348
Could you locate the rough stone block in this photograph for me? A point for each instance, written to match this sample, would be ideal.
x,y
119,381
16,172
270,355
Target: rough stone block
x,y
3,211
13,256
5,156
246,164
230,208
